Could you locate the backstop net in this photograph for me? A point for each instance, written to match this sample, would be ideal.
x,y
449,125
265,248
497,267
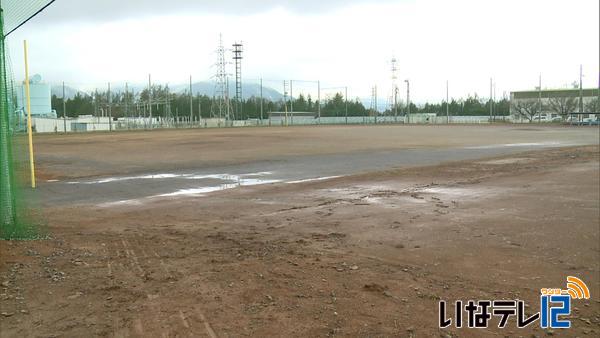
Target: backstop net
x,y
15,218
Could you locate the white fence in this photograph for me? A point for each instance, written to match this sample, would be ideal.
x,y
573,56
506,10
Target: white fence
x,y
92,123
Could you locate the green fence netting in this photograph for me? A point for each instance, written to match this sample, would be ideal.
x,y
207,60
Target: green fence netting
x,y
17,12
16,212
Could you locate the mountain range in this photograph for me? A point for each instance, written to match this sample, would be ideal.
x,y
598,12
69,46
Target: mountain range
x,y
202,88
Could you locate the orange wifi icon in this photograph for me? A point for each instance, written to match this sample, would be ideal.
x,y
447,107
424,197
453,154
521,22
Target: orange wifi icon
x,y
577,288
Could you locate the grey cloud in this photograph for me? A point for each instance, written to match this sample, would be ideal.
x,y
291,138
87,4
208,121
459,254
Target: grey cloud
x,y
108,10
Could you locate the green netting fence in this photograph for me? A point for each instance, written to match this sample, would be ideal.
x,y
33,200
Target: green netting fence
x,y
17,219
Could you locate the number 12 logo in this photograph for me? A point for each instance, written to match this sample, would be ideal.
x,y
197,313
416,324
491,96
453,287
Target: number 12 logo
x,y
550,313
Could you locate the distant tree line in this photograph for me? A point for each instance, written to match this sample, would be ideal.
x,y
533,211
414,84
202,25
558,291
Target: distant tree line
x,y
167,104
471,106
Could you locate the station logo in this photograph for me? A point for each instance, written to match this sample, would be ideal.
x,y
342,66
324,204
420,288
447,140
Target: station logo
x,y
555,305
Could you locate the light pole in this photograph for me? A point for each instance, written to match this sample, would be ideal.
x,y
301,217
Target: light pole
x,y
64,108
396,104
261,101
407,99
447,107
346,104
150,98
319,101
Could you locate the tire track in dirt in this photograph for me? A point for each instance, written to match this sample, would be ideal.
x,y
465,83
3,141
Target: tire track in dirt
x,y
147,321
209,330
131,254
139,259
163,265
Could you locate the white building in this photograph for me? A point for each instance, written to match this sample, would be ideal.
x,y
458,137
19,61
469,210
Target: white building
x,y
556,104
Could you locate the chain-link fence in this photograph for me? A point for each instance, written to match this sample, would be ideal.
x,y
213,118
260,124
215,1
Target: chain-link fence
x,y
83,107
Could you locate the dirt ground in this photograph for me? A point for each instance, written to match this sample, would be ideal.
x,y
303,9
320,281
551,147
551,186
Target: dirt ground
x,y
100,154
368,255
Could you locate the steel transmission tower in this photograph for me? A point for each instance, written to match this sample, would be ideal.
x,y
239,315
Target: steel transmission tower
x,y
237,59
220,106
374,102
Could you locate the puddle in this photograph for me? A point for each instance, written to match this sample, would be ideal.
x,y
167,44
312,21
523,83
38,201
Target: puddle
x,y
120,203
232,182
227,177
130,178
196,191
515,145
205,190
180,187
313,179
450,191
224,181
508,161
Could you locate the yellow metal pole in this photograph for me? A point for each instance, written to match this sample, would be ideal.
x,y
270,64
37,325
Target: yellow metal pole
x,y
29,132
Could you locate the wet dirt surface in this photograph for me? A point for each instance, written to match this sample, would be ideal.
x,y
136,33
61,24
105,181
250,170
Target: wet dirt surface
x,y
360,255
346,151
134,153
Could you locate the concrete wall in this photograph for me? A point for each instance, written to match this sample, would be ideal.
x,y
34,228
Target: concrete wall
x,y
48,125
91,123
52,125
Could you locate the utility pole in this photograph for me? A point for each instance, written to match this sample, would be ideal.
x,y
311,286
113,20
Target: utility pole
x,y
292,100
191,103
346,104
64,108
494,106
168,113
407,99
395,87
447,105
109,109
374,102
540,99
126,104
230,112
319,101
133,106
150,99
396,104
285,93
491,99
581,89
261,101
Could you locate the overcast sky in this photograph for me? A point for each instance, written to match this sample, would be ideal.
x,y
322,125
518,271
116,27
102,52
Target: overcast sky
x,y
340,42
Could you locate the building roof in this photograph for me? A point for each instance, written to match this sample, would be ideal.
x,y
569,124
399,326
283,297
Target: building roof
x,y
548,93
